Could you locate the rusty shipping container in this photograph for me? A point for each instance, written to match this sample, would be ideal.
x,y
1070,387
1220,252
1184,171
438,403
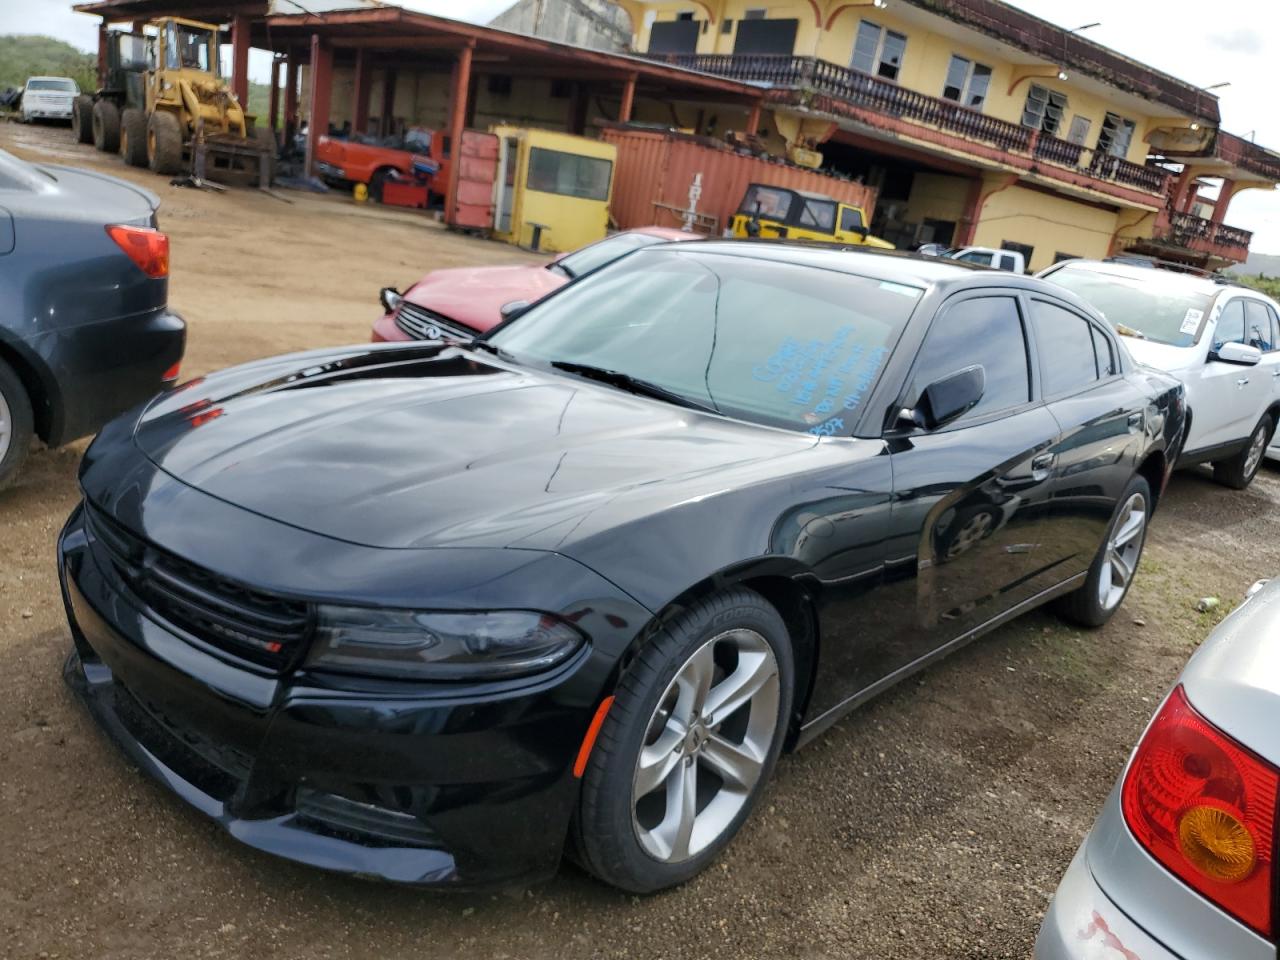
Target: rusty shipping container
x,y
656,168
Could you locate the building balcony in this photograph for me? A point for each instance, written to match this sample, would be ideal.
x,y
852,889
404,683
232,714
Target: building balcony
x,y
830,88
1189,239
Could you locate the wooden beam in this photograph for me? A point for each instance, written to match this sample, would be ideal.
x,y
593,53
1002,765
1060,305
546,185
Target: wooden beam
x,y
628,99
459,90
240,59
321,89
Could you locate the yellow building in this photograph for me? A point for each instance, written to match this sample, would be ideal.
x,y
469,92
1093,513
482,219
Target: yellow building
x,y
978,123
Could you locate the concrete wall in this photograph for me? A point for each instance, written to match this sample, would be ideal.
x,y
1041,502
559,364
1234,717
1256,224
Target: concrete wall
x,y
1050,224
597,24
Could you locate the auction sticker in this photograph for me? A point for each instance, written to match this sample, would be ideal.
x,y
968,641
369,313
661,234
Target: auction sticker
x,y
1191,322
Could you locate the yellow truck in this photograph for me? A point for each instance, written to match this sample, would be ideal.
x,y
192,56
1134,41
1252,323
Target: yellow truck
x,y
780,212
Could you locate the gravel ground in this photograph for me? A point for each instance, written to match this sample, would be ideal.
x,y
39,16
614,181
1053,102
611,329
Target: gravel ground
x,y
933,823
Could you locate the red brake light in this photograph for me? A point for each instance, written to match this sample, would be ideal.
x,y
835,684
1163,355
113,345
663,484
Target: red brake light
x,y
1205,806
148,248
172,373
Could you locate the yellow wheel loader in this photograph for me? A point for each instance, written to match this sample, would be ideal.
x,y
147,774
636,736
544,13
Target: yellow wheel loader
x,y
163,106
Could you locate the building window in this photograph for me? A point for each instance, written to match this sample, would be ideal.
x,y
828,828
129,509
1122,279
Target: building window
x,y
1116,135
755,13
1079,130
1059,257
568,174
1044,109
726,25
684,16
967,82
878,51
499,85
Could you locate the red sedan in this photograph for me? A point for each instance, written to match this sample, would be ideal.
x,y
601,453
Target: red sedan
x,y
465,301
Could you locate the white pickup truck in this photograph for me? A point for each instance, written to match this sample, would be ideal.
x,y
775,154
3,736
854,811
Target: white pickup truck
x,y
1222,341
48,98
1010,260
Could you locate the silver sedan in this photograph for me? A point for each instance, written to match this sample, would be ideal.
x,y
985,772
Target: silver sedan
x,y
1180,865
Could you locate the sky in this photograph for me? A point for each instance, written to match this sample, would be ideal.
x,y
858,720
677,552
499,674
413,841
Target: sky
x,y
1230,41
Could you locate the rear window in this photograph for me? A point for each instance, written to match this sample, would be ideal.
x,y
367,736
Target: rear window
x,y
1159,307
55,86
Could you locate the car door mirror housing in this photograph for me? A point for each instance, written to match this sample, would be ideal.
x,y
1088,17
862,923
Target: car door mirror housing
x,y
947,399
509,311
390,298
1241,354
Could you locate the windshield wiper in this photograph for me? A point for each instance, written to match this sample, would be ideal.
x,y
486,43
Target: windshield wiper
x,y
488,347
624,381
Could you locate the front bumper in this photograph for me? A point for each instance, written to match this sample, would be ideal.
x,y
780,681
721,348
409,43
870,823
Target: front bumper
x,y
461,790
386,331
330,171
1083,924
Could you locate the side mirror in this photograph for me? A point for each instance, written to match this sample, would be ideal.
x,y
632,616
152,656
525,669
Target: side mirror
x,y
944,400
509,311
390,298
1238,353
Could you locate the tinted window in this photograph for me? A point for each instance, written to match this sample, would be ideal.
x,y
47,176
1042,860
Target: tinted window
x,y
818,214
569,174
1258,329
1008,263
1064,341
1230,324
1275,329
775,343
1105,352
985,332
850,218
605,251
984,259
60,86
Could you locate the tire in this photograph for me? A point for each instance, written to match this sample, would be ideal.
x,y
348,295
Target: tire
x,y
1087,606
376,181
1239,471
106,126
164,143
631,841
133,137
16,424
82,118
267,138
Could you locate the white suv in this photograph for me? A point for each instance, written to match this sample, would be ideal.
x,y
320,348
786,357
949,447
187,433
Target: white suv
x,y
1222,341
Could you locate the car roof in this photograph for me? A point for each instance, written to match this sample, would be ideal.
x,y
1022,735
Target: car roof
x,y
1170,279
674,234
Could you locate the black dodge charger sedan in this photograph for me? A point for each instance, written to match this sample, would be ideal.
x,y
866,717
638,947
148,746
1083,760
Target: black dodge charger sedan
x,y
437,612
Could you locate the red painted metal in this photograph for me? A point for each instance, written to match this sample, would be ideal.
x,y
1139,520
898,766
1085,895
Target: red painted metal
x,y
459,89
628,99
399,193
321,88
657,167
475,166
273,106
291,94
240,58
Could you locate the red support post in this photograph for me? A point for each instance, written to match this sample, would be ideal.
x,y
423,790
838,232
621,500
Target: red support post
x,y
628,99
290,94
102,53
321,84
968,224
240,58
273,110
360,95
459,89
753,119
1223,201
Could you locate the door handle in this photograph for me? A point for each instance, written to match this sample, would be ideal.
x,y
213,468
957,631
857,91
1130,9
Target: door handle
x,y
1041,465
1242,381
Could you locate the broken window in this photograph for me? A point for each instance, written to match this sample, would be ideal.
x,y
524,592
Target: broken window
x,y
967,82
878,51
1044,110
1116,135
1079,130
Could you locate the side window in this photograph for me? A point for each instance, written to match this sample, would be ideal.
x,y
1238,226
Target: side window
x,y
973,256
1275,328
1064,341
1008,263
1230,324
1258,326
1105,352
987,332
850,218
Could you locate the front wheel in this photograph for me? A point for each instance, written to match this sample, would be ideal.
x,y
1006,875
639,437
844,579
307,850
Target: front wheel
x,y
695,729
106,126
164,143
1116,563
16,424
82,118
1239,471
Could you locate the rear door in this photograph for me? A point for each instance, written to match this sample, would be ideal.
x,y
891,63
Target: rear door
x,y
1102,419
1262,332
970,498
1231,397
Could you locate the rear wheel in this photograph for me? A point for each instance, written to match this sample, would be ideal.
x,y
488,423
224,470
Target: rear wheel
x,y
16,424
133,137
1239,471
1116,563
376,182
82,118
164,143
695,729
106,126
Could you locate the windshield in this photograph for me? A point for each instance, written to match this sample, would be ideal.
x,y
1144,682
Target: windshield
x,y
193,48
606,251
61,86
774,343
1159,307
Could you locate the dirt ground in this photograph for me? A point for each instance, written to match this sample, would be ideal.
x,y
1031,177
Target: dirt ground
x,y
934,823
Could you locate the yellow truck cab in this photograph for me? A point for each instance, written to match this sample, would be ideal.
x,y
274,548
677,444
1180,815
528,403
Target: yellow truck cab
x,y
768,211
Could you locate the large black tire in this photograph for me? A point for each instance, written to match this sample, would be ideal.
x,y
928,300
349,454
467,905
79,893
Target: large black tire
x,y
1085,606
380,176
164,143
106,126
133,137
1239,471
82,118
606,831
267,138
16,424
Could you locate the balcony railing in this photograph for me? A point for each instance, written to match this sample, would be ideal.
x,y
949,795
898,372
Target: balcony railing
x,y
1185,230
862,89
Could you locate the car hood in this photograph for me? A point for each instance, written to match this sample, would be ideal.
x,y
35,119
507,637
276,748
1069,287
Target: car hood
x,y
474,295
428,446
1162,356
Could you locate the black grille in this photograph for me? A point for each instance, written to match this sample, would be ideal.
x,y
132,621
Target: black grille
x,y
423,324
362,822
223,613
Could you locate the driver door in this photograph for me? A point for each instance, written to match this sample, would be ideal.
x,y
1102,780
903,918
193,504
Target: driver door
x,y
1232,396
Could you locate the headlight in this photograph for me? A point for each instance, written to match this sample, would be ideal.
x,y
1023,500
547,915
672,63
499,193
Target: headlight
x,y
417,645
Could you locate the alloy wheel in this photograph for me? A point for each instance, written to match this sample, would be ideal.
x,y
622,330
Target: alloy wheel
x,y
6,427
1123,550
706,745
1257,445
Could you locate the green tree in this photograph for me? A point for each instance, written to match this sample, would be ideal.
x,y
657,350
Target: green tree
x,y
1268,285
23,56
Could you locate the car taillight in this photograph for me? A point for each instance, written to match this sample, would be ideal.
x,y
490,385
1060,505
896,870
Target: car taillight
x,y
146,247
1204,806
